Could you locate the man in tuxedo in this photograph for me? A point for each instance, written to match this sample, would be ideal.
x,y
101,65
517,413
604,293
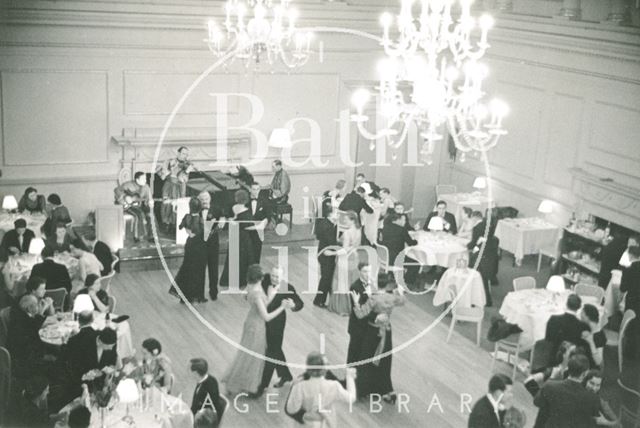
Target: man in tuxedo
x,y
361,179
488,412
214,221
566,326
354,201
326,233
395,236
630,282
274,283
23,337
447,219
360,290
206,395
55,274
610,257
100,250
17,240
567,403
259,208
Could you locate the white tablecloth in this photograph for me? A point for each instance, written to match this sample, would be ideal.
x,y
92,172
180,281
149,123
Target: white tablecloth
x,y
55,330
457,280
437,248
531,309
17,270
456,201
522,236
34,222
370,221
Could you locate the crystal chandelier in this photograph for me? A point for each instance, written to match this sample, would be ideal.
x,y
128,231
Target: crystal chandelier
x,y
270,33
419,79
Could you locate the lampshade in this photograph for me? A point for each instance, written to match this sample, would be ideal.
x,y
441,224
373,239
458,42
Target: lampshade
x,y
280,138
480,183
436,223
82,303
36,246
127,391
9,203
546,207
556,284
367,188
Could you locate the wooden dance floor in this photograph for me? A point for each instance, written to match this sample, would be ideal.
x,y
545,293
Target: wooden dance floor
x,y
435,376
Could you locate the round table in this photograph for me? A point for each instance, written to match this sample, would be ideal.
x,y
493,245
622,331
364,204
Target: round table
x,y
34,221
17,270
466,281
531,309
437,248
56,329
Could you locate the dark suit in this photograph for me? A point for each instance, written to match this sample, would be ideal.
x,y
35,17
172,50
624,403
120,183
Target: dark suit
x,y
564,327
23,342
610,259
81,355
213,250
325,231
484,416
10,239
630,283
395,237
448,218
103,254
260,213
356,326
354,202
566,404
55,274
206,394
275,333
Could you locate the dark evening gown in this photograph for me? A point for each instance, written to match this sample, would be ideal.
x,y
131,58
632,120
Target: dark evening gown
x,y
247,256
191,276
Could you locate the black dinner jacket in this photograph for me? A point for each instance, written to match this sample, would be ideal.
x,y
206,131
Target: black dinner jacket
x,y
10,239
564,327
483,416
476,233
23,340
55,274
566,404
207,392
357,325
395,237
326,234
103,254
354,202
261,208
448,217
630,283
275,327
81,354
213,213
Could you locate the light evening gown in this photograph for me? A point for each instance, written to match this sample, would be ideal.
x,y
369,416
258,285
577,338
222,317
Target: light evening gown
x,y
340,301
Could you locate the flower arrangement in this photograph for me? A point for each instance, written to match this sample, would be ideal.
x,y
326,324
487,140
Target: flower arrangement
x,y
102,383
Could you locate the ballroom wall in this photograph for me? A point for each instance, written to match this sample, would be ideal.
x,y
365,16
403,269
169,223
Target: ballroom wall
x,y
75,74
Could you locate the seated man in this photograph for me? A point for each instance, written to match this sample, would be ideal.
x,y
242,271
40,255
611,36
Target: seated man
x,y
31,202
566,326
441,219
135,197
206,394
23,337
55,274
88,262
280,184
100,250
17,240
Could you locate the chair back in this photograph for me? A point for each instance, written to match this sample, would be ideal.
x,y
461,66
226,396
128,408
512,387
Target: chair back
x,y
629,419
524,283
5,384
587,290
628,316
473,314
383,257
105,281
4,324
58,295
541,355
445,189
112,304
115,261
172,382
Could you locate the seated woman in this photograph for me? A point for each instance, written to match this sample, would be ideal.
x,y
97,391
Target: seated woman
x,y
87,262
156,366
558,371
60,241
467,223
58,213
93,288
32,202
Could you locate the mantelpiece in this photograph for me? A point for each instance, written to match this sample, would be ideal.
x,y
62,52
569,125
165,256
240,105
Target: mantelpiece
x,y
607,199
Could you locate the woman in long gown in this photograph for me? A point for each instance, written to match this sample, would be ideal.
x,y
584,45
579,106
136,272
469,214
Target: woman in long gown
x,y
245,372
375,377
346,265
191,276
244,219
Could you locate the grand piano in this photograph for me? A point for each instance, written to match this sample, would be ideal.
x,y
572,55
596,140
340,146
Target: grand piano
x,y
221,186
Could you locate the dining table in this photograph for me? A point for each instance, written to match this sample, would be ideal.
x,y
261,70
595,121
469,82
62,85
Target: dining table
x,y
57,329
153,409
465,284
34,221
437,248
531,309
528,235
457,201
17,270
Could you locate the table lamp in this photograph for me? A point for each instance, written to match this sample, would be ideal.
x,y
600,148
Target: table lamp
x,y
556,286
9,203
82,303
36,246
127,391
280,138
436,223
480,183
545,207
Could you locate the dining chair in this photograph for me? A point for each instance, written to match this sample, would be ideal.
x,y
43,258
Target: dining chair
x,y
4,324
172,382
341,225
5,384
112,304
58,295
445,189
628,316
510,345
105,281
541,355
524,283
473,314
586,290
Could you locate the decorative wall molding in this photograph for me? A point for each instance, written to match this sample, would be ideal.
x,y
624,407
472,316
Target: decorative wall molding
x,y
28,181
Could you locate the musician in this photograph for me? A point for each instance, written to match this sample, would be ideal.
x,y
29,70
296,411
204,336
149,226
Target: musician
x,y
175,173
259,208
135,197
214,221
280,184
